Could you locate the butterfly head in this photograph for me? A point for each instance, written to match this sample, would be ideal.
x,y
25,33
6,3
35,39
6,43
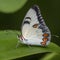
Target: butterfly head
x,y
22,39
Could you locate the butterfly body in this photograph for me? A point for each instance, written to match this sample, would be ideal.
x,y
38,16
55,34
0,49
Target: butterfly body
x,y
34,29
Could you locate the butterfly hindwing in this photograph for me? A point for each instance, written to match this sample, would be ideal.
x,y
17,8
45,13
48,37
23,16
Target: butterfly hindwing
x,y
34,29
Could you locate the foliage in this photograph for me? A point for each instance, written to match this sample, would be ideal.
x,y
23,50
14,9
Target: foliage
x,y
9,6
8,50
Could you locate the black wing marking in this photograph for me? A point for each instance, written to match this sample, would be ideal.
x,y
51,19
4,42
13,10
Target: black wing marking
x,y
38,13
26,22
28,18
40,19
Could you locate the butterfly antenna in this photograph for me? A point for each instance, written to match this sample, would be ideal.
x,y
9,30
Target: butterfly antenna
x,y
56,36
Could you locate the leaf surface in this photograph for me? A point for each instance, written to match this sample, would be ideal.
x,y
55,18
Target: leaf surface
x,y
8,50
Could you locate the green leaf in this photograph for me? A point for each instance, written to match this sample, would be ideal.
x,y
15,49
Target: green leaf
x,y
8,50
9,6
51,56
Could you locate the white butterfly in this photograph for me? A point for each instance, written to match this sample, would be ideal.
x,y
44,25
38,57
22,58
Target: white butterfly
x,y
34,29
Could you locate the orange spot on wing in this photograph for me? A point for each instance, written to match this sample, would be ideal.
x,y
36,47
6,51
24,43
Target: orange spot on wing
x,y
45,39
43,43
45,35
35,25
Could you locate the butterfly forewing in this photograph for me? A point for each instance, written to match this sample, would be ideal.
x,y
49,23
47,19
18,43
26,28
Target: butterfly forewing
x,y
28,22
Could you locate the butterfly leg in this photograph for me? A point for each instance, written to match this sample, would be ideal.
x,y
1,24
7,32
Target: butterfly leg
x,y
18,43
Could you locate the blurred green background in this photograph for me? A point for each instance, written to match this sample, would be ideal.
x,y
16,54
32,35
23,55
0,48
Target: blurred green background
x,y
12,13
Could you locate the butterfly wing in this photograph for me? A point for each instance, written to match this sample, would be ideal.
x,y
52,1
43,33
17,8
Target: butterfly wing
x,y
34,29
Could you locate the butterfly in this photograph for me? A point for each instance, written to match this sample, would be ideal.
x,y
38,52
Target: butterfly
x,y
34,29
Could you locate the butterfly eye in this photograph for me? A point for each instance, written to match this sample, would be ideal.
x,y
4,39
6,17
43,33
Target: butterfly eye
x,y
35,25
45,35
